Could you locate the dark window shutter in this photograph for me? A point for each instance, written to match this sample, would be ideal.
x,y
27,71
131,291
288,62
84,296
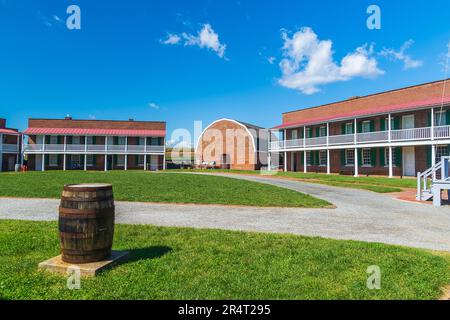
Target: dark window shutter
x,y
47,161
343,157
398,157
317,132
382,124
94,140
360,127
374,157
397,123
94,159
343,128
447,117
429,119
360,157
60,159
372,125
317,158
382,157
59,140
47,139
429,156
115,140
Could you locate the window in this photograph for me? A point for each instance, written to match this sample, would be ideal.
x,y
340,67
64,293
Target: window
x,y
308,158
90,160
141,141
322,158
294,135
140,160
76,140
348,128
366,126
121,160
439,118
323,132
308,132
386,124
121,141
441,151
350,157
386,157
367,157
90,140
53,140
53,160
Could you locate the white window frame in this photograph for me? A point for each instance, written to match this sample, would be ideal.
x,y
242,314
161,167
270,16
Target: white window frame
x,y
439,118
323,131
323,158
365,127
89,140
348,128
294,135
121,141
386,124
308,158
76,140
308,133
347,162
441,151
140,160
366,157
386,157
120,160
53,139
90,160
53,160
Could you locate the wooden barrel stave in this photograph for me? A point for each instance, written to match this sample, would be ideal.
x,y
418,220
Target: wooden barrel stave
x,y
86,223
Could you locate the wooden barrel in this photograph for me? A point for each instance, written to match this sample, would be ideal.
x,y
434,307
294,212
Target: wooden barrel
x,y
86,222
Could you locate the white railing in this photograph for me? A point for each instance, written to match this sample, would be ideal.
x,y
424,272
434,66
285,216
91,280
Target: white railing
x,y
342,139
411,134
415,134
95,148
6,147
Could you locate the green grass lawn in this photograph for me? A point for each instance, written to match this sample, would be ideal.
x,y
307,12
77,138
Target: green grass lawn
x,y
181,263
375,184
161,187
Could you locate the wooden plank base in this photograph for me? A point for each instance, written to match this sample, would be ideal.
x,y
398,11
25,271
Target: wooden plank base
x,y
56,265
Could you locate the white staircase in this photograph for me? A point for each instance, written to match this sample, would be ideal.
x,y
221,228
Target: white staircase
x,y
429,186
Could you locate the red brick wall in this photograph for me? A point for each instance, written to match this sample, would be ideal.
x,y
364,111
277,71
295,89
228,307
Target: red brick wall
x,y
396,97
96,124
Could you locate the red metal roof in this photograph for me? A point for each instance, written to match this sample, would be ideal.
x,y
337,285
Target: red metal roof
x,y
8,131
95,132
368,112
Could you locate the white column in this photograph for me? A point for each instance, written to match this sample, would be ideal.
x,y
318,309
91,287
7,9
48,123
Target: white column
x,y
65,156
389,128
356,163
355,129
106,154
85,162
285,162
18,149
304,137
43,153
305,165
126,153
328,134
85,153
145,153
22,149
433,159
164,156
432,124
391,165
328,162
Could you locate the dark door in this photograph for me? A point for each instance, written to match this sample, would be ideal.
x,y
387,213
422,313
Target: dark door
x,y
226,162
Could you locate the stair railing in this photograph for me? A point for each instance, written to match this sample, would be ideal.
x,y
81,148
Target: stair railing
x,y
423,178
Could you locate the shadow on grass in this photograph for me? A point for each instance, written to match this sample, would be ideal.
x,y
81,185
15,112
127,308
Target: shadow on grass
x,y
146,253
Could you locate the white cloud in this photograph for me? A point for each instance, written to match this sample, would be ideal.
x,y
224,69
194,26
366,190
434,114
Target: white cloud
x,y
153,106
408,62
171,39
205,38
308,62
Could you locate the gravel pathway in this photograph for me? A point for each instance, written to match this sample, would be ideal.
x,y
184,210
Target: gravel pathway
x,y
360,215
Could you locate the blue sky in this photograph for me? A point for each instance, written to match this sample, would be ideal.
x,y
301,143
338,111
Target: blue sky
x,y
237,59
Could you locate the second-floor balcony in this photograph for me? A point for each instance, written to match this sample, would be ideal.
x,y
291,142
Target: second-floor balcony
x,y
9,148
403,135
93,148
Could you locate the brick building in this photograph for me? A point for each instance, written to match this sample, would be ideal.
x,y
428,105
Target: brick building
x,y
10,141
68,144
395,133
232,144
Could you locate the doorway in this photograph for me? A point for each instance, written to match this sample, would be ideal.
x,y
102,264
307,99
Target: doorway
x,y
409,162
225,162
408,122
